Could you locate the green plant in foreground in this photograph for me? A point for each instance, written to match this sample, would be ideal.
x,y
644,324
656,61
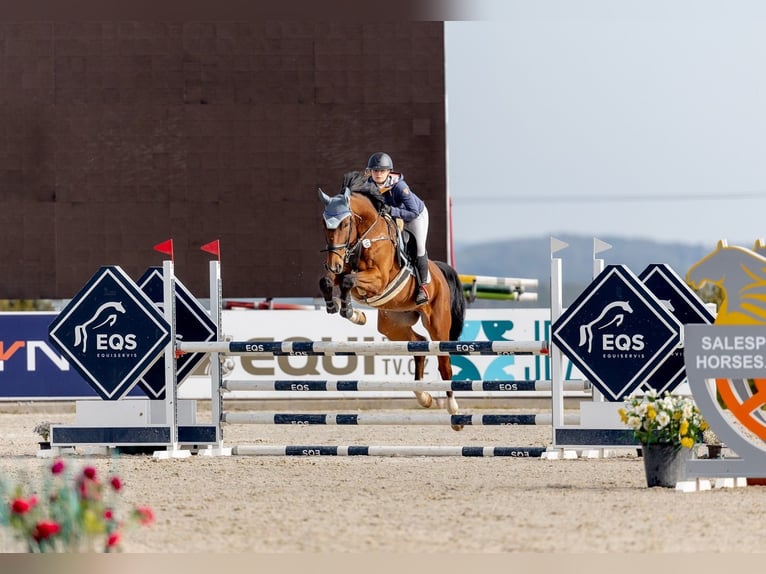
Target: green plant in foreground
x,y
72,512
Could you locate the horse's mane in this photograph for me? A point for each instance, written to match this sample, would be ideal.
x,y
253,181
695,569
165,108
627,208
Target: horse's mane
x,y
358,183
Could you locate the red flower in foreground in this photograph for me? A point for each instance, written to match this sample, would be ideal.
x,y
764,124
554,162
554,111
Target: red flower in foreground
x,y
89,488
57,467
20,506
112,541
76,511
144,515
45,529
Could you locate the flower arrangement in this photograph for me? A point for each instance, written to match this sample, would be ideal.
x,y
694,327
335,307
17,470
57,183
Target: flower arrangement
x,y
669,419
710,438
74,511
43,429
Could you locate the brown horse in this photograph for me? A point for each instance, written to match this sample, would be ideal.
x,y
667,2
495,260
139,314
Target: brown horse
x,y
364,264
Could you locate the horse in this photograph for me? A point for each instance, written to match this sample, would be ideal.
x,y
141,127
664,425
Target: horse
x,y
365,264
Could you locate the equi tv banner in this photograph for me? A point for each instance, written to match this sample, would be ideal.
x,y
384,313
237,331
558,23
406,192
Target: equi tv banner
x,y
31,368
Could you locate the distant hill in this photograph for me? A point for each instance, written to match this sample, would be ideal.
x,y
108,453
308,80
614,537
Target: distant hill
x,y
531,258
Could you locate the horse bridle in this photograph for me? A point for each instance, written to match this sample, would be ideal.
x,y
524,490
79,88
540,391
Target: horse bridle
x,y
361,242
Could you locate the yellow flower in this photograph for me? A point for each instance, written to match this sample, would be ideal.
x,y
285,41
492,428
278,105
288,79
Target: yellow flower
x,y
651,414
687,442
623,415
92,522
684,428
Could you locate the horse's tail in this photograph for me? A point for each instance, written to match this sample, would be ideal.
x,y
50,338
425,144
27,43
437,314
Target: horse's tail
x,y
457,306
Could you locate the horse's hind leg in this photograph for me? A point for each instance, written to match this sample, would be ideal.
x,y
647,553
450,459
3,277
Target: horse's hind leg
x,y
397,326
424,398
445,370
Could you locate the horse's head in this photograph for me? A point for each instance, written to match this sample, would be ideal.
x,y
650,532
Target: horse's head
x,y
348,217
338,228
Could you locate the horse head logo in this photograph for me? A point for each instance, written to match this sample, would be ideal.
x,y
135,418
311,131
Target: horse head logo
x,y
612,314
740,273
107,311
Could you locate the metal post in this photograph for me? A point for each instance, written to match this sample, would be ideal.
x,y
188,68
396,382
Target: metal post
x,y
171,386
216,372
169,308
556,357
216,377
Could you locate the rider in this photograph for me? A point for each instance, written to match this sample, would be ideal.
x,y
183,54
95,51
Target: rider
x,y
407,206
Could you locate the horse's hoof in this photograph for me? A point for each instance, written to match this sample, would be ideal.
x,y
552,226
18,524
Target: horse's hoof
x,y
457,427
359,318
425,400
332,308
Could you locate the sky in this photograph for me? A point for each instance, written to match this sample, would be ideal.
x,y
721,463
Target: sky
x,y
608,118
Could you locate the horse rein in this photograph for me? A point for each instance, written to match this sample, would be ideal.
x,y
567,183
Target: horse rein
x,y
362,242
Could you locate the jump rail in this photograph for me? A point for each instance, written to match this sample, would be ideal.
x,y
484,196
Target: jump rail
x,y
387,385
305,348
498,288
321,450
364,419
523,284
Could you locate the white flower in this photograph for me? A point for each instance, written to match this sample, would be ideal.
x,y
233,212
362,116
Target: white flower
x,y
634,422
663,419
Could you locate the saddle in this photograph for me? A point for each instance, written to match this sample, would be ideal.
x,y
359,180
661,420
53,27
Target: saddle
x,y
406,248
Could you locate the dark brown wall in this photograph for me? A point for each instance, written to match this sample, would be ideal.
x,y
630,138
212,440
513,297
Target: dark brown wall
x,y
118,135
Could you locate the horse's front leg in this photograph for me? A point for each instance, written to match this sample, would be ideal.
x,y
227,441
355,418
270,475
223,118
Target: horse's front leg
x,y
326,287
346,310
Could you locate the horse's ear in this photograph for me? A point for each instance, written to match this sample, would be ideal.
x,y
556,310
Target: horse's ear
x,y
325,199
347,193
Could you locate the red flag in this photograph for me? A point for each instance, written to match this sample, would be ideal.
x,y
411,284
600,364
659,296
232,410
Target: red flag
x,y
213,247
165,247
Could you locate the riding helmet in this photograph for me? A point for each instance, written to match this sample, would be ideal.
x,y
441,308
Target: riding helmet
x,y
380,160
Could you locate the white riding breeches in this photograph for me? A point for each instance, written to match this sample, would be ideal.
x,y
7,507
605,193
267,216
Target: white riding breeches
x,y
419,229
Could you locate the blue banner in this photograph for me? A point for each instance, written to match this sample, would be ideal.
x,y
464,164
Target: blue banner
x,y
30,367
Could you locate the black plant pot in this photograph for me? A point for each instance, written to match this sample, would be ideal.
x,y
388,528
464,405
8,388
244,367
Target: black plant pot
x,y
714,450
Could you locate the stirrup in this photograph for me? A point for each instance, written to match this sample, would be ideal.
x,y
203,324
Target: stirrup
x,y
421,298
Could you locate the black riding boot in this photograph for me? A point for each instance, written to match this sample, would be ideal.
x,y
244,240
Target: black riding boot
x,y
421,272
